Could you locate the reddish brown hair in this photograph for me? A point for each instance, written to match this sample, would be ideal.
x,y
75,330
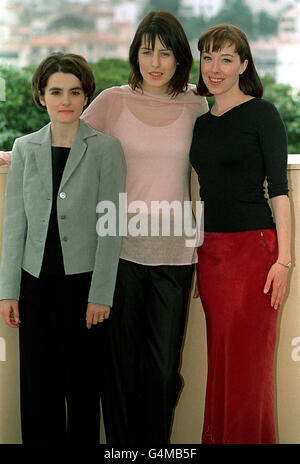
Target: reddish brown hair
x,y
214,39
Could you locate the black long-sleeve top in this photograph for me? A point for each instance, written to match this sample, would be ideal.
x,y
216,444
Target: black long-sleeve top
x,y
233,154
53,259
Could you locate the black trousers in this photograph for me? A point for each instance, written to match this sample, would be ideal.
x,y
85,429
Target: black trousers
x,y
145,333
60,361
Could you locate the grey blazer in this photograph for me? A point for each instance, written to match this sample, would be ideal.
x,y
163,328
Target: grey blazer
x,y
95,171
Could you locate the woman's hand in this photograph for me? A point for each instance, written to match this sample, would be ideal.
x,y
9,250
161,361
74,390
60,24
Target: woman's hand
x,y
10,312
5,157
96,313
277,277
196,290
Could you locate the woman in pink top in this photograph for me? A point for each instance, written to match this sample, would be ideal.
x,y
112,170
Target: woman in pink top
x,y
153,118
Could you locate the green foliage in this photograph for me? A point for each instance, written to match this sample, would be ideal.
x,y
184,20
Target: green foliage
x,y
110,72
19,115
194,74
287,101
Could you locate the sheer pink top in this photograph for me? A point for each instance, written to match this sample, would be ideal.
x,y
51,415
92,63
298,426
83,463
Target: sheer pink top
x,y
155,133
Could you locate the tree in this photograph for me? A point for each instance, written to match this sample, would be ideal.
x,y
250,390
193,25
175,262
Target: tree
x,y
265,24
19,115
109,72
71,21
173,6
167,5
194,26
287,101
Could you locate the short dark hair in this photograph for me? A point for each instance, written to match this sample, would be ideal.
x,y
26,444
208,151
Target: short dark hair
x,y
168,29
214,39
65,63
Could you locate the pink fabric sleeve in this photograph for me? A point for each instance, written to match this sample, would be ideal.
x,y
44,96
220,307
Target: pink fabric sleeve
x,y
99,113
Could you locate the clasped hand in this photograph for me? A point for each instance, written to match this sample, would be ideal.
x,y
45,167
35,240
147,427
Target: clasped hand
x,y
96,313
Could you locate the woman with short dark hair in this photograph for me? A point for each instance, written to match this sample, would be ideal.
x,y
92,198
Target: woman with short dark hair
x,y
57,274
68,63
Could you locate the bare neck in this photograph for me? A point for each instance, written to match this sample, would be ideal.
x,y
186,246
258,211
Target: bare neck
x,y
63,135
225,102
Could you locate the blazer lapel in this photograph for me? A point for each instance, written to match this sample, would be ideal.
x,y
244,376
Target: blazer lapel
x,y
77,151
41,142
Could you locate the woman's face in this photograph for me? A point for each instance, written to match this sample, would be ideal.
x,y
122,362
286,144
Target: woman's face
x,y
63,97
157,66
221,69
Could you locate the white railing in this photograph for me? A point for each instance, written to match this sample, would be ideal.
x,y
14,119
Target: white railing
x,y
294,159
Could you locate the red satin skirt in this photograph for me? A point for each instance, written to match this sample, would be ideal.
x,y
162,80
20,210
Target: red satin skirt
x,y
241,336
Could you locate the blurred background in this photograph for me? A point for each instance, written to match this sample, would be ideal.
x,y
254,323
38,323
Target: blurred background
x,y
101,31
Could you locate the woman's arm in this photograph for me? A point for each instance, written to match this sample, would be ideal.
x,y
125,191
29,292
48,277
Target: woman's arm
x,y
282,214
14,229
13,243
273,142
112,183
277,276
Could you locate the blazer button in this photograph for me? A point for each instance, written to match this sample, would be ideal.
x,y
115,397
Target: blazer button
x,y
65,239
62,216
62,195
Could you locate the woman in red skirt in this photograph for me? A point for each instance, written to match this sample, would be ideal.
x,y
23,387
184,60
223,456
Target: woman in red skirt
x,y
245,257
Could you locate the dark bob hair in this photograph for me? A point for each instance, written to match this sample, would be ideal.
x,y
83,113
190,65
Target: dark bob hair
x,y
68,63
217,37
168,29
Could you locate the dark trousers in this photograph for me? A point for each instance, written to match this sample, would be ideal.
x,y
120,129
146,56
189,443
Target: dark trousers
x,y
60,361
145,333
